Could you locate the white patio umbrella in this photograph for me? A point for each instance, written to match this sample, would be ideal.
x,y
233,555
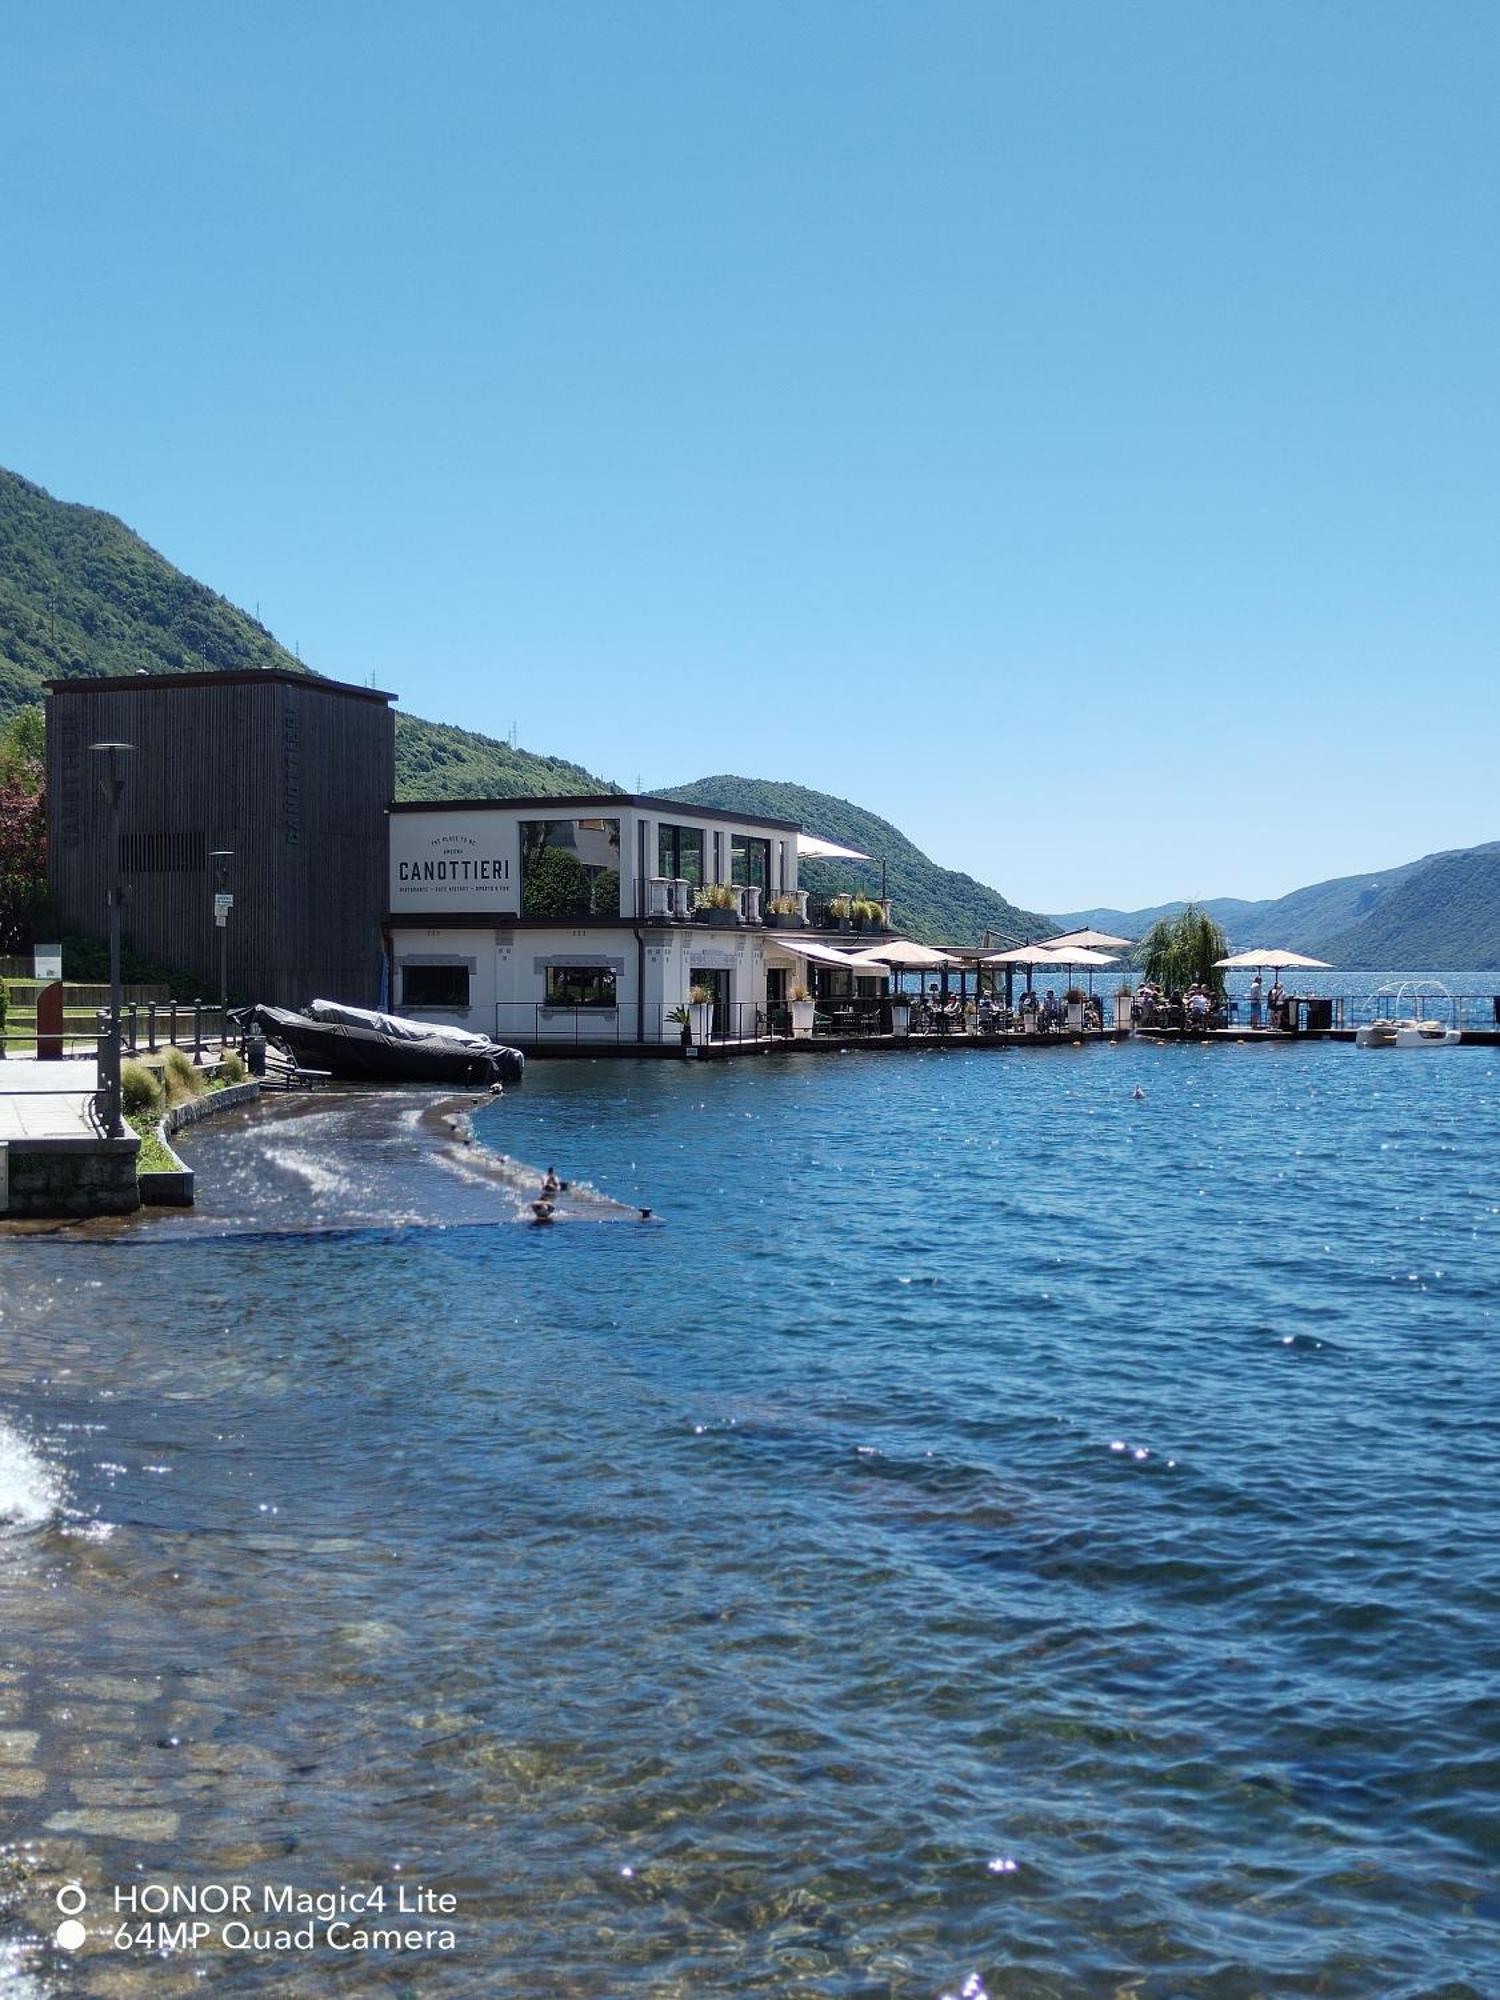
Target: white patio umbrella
x,y
1029,955
1090,941
906,953
811,848
1080,956
1276,956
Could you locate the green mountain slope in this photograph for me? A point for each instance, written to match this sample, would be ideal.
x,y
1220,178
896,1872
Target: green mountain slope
x,y
81,594
1444,914
1442,910
436,761
935,905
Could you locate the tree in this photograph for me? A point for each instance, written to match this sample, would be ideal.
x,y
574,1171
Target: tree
x,y
23,748
555,884
1179,952
23,864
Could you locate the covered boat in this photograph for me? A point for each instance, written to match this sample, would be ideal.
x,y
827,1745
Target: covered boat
x,y
360,1045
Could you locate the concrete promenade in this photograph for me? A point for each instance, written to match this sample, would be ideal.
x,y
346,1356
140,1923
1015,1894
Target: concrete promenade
x,y
46,1100
53,1160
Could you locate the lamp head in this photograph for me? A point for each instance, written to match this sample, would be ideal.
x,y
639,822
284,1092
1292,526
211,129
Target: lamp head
x,y
111,783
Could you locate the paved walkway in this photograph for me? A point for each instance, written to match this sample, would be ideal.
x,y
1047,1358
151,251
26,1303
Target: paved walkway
x,y
46,1100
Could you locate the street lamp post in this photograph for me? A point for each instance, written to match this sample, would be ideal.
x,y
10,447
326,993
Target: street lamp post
x,y
223,903
112,784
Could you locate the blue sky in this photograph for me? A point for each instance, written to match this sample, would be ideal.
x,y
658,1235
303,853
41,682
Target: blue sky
x,y
1069,429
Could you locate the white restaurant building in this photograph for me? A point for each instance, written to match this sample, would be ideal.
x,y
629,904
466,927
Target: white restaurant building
x,y
589,920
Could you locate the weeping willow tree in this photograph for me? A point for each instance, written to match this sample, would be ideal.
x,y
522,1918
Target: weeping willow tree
x,y
1179,952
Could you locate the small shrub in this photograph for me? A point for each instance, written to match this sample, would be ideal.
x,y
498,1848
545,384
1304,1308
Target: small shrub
x,y
232,1069
153,1157
181,1079
140,1093
701,996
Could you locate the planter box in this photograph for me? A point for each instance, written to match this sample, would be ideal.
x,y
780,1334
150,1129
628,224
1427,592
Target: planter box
x,y
803,1013
723,920
701,1014
901,1019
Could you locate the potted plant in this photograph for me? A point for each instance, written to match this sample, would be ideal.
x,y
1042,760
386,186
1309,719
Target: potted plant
x,y
720,904
841,912
866,913
1124,1006
782,913
1076,1000
684,1021
701,1012
803,1011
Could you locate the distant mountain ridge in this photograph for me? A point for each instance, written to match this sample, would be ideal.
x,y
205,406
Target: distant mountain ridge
x,y
1442,910
934,905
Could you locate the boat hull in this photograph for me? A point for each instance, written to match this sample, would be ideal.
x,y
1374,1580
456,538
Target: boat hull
x,y
364,1055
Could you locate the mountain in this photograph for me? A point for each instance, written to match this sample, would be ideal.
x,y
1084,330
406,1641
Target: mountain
x,y
1236,916
934,905
1440,911
1444,912
80,593
435,760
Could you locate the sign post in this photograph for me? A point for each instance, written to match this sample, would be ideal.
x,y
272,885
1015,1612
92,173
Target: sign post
x,y
223,904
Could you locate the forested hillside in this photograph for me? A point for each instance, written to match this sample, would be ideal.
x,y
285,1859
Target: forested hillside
x,y
935,905
81,594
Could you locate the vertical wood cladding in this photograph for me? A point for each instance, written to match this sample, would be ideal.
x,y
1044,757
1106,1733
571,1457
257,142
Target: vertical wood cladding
x,y
293,774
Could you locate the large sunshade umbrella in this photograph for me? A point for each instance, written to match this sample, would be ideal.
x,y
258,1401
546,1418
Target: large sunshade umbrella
x,y
1029,955
1276,956
1081,956
1090,941
907,953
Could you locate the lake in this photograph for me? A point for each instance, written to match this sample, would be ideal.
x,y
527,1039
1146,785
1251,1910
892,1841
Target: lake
x,y
988,1532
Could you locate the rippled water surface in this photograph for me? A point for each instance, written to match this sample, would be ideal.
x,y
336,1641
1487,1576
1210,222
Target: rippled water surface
x,y
987,1532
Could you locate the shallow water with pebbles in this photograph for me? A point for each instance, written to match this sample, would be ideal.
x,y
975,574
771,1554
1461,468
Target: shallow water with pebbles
x,y
994,1535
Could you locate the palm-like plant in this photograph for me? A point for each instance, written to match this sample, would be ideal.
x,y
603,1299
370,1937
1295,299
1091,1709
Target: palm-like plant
x,y
1178,952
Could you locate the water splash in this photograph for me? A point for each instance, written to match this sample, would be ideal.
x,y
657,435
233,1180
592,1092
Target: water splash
x,y
30,1489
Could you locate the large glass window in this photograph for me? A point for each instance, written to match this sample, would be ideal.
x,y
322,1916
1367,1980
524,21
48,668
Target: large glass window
x,y
580,986
570,868
679,853
750,862
435,986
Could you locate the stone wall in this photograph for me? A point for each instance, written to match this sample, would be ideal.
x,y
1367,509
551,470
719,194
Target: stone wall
x,y
63,1177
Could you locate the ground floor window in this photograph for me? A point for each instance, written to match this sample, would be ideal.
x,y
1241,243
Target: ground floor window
x,y
435,986
580,986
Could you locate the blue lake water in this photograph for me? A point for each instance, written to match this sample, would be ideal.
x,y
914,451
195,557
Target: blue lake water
x,y
993,1534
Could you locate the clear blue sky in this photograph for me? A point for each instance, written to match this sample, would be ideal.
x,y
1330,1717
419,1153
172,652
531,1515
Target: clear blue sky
x,y
1070,429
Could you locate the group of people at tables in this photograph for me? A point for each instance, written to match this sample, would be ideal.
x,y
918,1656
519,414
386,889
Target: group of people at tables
x,y
1200,1008
1195,1010
932,1014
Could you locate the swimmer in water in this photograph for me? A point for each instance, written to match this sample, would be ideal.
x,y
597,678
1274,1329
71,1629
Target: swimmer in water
x,y
1138,1093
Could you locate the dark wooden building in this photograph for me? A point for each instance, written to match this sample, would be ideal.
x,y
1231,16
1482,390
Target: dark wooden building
x,y
293,774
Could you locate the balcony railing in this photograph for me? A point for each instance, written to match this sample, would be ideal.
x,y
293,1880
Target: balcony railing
x,y
664,899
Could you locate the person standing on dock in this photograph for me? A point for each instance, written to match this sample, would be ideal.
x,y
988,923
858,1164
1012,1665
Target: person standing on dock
x,y
1255,1001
